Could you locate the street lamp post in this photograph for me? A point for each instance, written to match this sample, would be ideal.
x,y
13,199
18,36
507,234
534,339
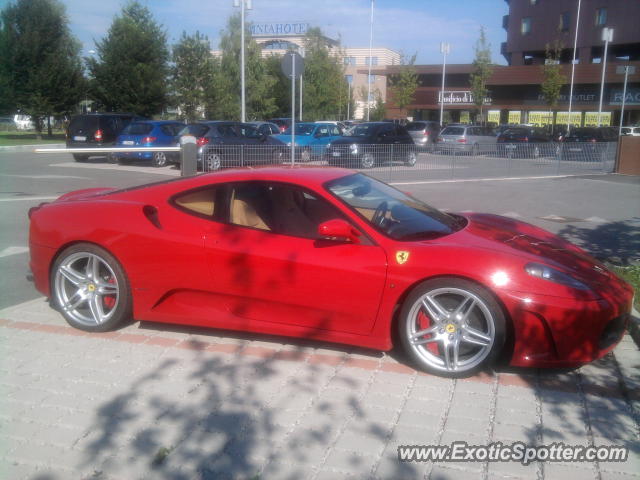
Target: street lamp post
x,y
370,62
573,67
242,4
348,98
444,50
626,69
607,36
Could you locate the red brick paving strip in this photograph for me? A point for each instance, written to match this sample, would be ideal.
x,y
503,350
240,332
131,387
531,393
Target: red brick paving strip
x,y
504,379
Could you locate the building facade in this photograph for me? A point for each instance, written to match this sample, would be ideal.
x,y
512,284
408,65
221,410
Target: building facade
x,y
515,95
532,24
280,38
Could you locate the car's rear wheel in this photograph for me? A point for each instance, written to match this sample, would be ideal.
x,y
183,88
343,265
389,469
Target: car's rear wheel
x,y
451,327
212,161
305,155
411,159
80,158
159,159
89,287
367,160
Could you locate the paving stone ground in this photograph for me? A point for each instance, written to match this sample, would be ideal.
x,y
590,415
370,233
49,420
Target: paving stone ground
x,y
153,401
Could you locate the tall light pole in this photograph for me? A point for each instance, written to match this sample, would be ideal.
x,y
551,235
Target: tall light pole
x,y
444,50
300,117
573,66
370,62
348,98
607,36
627,69
242,4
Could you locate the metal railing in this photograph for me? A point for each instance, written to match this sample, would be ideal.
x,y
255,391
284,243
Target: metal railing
x,y
397,162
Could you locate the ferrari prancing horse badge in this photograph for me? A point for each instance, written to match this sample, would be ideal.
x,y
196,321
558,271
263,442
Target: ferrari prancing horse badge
x,y
402,256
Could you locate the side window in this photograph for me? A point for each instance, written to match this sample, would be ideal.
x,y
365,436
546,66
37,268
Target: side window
x,y
200,202
322,132
279,208
335,131
167,130
387,131
227,131
248,131
401,131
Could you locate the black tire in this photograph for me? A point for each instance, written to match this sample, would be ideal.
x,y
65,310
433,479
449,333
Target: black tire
x,y
484,311
159,159
80,158
110,275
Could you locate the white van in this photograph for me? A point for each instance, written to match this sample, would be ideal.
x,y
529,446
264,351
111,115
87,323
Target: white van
x,y
23,122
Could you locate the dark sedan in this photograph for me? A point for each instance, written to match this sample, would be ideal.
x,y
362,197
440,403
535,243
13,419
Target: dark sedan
x,y
589,143
525,142
369,144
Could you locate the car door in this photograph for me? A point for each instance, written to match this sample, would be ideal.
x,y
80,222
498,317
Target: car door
x,y
321,138
386,138
269,264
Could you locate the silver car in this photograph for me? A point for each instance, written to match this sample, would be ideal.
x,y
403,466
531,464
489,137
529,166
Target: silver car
x,y
423,133
467,139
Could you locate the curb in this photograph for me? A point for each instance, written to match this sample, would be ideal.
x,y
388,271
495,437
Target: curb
x,y
18,148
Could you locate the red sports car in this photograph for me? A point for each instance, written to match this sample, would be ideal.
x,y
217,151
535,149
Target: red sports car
x,y
328,254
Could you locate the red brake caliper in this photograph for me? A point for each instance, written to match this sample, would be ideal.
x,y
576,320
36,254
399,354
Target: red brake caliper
x,y
109,301
425,322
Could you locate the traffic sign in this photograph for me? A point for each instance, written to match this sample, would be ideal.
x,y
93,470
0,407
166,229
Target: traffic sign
x,y
287,64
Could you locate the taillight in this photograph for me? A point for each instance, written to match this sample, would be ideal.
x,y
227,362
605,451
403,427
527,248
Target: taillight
x,y
525,139
98,135
462,140
148,139
440,139
202,141
426,134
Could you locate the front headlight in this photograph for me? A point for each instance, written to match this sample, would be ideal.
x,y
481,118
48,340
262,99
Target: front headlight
x,y
354,148
545,272
288,144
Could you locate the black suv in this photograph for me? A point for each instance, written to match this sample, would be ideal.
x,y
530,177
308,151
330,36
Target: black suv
x,y
94,130
369,144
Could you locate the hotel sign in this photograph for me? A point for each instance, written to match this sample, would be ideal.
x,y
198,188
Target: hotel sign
x,y
462,97
280,29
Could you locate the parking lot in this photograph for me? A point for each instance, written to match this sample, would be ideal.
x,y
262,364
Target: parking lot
x,y
155,401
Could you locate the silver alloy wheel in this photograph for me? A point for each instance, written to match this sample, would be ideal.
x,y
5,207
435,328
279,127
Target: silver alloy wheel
x,y
86,288
411,158
212,162
159,159
461,326
536,152
367,160
305,156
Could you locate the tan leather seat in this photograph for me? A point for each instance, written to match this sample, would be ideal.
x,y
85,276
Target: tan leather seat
x,y
242,213
290,218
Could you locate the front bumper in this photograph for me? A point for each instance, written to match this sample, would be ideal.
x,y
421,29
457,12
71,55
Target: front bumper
x,y
562,332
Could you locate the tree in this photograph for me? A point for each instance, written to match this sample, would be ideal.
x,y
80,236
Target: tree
x,y
40,68
260,103
192,75
552,78
403,85
131,70
482,71
379,110
323,78
281,90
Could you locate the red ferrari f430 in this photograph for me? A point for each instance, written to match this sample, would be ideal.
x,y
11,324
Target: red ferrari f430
x,y
327,254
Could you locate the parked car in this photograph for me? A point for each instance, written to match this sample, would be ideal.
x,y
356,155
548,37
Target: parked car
x,y
266,128
312,253
341,126
631,131
283,123
226,144
95,130
149,134
525,142
366,145
470,139
311,139
424,133
589,143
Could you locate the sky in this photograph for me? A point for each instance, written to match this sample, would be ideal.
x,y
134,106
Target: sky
x,y
408,26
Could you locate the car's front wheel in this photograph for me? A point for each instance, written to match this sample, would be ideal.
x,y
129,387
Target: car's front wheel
x,y
451,327
89,287
305,155
212,161
367,160
411,159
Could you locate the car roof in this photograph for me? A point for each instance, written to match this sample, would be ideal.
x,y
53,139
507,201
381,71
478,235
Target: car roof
x,y
159,122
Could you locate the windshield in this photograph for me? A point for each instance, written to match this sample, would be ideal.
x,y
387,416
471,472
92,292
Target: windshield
x,y
360,131
302,129
392,212
453,131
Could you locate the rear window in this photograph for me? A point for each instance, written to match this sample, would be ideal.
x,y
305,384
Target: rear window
x,y
196,129
453,131
85,122
138,129
415,126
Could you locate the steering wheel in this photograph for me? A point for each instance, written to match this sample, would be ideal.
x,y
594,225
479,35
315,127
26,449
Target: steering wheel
x,y
380,213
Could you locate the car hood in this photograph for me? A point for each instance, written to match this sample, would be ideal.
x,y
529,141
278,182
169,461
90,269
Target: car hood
x,y
532,244
352,140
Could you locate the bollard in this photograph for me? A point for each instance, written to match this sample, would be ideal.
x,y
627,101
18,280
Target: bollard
x,y
188,156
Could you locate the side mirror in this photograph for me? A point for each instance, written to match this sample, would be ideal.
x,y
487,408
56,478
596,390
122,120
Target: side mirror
x,y
339,230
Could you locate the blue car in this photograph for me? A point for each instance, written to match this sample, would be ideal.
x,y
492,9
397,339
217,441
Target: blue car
x,y
311,139
150,133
